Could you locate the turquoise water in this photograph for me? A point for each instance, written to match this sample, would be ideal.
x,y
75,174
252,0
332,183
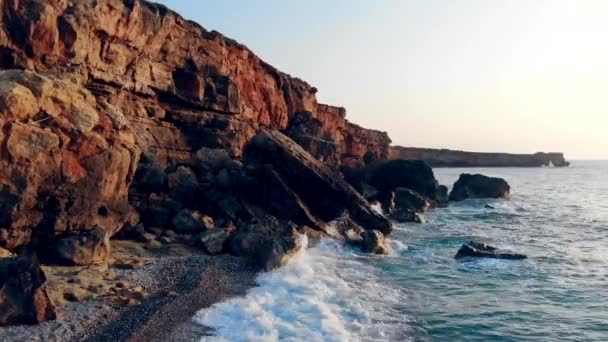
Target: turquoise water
x,y
558,217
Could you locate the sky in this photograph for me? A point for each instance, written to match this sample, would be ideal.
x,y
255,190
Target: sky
x,y
517,76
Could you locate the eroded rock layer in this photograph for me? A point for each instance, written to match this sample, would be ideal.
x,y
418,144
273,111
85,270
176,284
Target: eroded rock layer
x,y
181,86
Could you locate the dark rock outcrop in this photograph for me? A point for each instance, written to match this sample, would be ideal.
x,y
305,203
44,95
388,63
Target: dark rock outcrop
x,y
390,175
451,158
325,193
23,296
277,252
479,186
374,242
481,250
404,215
408,199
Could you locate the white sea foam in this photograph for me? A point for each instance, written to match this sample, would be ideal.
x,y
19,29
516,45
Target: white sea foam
x,y
327,293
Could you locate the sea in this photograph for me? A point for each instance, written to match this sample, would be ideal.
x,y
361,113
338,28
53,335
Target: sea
x,y
331,292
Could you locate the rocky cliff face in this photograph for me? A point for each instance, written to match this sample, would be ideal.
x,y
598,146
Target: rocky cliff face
x,y
180,85
90,84
333,139
450,158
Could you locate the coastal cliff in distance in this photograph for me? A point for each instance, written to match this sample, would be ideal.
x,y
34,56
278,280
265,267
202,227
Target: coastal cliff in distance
x,y
452,158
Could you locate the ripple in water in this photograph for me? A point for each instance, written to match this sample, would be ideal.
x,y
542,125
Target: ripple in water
x,y
558,217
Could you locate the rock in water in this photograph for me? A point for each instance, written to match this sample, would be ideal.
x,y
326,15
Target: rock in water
x,y
274,253
374,242
390,175
479,186
481,250
408,199
23,296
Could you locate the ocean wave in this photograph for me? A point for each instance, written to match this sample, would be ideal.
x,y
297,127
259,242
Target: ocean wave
x,y
321,295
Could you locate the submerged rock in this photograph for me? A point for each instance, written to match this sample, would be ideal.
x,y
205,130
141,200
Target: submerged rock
x,y
23,295
481,250
479,186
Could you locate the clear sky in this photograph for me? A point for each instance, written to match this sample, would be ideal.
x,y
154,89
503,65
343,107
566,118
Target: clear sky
x,y
480,75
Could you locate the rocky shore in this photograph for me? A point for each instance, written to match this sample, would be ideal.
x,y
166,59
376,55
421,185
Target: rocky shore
x,y
150,167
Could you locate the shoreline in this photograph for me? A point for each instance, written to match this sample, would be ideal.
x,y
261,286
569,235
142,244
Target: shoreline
x,y
175,283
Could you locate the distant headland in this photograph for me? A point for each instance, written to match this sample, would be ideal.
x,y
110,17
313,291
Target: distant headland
x,y
453,158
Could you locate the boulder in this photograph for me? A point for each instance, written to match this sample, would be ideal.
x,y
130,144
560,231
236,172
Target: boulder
x,y
270,191
323,191
374,242
481,250
274,253
159,211
250,235
65,164
408,199
188,222
213,241
212,160
151,178
404,215
479,186
23,295
83,249
386,176
183,185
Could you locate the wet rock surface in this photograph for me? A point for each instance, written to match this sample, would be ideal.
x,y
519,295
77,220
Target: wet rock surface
x,y
475,249
374,242
479,186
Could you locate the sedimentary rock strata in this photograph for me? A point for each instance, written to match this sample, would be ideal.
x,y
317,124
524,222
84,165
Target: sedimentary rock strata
x,y
68,160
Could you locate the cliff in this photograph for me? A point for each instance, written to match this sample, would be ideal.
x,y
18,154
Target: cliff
x,y
331,138
114,105
180,85
451,158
